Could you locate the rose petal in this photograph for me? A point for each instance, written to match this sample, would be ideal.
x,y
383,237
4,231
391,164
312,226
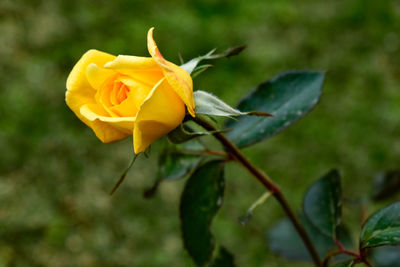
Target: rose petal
x,y
142,69
178,78
122,125
135,97
160,113
77,80
96,75
80,92
132,62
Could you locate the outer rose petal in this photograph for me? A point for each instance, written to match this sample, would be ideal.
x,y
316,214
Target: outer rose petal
x,y
132,62
142,69
95,113
80,92
178,78
160,113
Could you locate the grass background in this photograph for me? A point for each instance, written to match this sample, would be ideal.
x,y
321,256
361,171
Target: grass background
x,y
55,175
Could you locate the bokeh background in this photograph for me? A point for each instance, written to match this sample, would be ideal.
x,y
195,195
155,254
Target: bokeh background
x,y
55,175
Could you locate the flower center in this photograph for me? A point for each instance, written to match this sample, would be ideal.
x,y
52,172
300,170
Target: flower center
x,y
122,96
119,93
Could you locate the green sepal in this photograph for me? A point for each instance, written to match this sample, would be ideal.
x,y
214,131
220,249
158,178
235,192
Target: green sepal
x,y
191,65
208,104
184,133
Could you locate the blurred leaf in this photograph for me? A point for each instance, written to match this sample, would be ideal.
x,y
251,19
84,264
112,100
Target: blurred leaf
x,y
193,145
209,104
190,66
173,165
223,259
245,219
347,263
323,203
386,256
283,239
382,228
201,199
288,97
386,185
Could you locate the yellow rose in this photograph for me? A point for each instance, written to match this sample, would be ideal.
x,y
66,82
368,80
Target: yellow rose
x,y
127,95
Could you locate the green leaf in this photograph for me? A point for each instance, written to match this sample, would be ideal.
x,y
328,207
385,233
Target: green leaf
x,y
323,203
386,256
223,259
173,165
382,228
386,185
288,97
191,65
284,240
347,263
209,104
201,199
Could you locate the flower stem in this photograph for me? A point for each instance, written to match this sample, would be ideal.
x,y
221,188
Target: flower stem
x,y
264,179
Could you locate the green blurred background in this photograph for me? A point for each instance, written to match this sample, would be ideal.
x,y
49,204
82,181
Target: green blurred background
x,y
55,175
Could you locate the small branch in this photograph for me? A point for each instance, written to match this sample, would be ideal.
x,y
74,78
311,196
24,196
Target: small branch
x,y
264,179
123,175
342,250
260,113
329,255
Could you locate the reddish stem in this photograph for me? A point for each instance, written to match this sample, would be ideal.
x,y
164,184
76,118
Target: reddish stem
x,y
358,257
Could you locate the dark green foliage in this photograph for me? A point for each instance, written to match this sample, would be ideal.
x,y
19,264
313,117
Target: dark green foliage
x,y
173,164
223,259
347,263
386,185
201,199
386,256
323,203
382,228
288,97
284,240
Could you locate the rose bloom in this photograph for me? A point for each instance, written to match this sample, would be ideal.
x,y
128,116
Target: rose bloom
x,y
128,95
